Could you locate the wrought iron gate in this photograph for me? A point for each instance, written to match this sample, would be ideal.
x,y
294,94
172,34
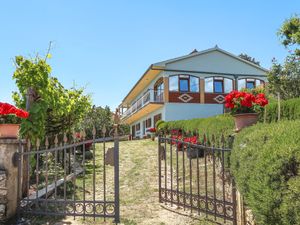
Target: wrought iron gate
x,y
78,178
196,177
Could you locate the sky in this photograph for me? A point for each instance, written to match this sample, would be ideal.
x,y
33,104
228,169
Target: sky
x,y
106,46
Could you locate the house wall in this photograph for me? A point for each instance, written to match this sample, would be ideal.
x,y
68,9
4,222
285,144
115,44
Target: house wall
x,y
140,134
175,111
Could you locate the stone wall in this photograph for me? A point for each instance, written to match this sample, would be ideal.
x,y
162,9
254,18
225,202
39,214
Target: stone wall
x,y
8,177
3,195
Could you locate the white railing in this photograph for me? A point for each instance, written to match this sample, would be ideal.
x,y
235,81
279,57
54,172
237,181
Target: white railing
x,y
151,96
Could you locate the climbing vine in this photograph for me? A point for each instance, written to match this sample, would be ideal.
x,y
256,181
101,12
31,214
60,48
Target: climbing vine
x,y
53,109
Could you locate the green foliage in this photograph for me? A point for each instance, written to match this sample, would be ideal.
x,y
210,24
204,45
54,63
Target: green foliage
x,y
265,162
249,58
285,79
289,110
222,124
53,108
290,32
99,118
159,123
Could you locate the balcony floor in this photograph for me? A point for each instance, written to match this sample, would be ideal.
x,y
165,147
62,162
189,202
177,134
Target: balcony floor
x,y
149,108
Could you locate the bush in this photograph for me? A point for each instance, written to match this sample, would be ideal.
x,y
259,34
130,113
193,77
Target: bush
x,y
290,110
218,125
265,162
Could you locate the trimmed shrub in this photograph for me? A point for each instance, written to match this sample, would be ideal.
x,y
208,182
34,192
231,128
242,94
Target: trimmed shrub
x,y
222,124
265,162
290,110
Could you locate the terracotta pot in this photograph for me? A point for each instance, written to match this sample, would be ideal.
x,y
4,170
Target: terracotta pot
x,y
245,120
9,130
153,137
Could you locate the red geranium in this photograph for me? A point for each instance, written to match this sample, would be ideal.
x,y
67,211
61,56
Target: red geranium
x,y
152,130
8,109
245,102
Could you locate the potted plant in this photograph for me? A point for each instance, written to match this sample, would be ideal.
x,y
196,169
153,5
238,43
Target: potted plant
x,y
152,132
193,152
10,119
245,106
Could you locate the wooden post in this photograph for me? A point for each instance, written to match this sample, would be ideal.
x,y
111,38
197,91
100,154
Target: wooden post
x,y
265,114
240,209
166,89
202,91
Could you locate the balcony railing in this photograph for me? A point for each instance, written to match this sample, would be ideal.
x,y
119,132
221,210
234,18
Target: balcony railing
x,y
151,96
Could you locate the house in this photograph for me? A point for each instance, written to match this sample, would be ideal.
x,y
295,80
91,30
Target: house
x,y
191,86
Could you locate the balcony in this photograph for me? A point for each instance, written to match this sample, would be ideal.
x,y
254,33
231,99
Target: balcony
x,y
150,97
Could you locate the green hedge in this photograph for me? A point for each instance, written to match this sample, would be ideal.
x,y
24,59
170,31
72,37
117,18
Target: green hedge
x,y
290,110
265,162
222,124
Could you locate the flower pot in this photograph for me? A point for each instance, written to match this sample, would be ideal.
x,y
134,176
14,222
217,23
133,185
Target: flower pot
x,y
153,137
193,153
9,130
245,120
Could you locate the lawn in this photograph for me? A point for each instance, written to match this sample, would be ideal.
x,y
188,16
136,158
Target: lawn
x,y
138,189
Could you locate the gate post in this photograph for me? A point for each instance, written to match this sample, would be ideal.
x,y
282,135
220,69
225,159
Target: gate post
x,y
116,167
159,168
9,175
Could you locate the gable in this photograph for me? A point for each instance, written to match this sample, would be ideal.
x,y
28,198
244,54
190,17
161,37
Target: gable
x,y
215,61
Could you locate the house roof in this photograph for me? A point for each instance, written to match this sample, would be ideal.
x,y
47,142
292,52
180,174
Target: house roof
x,y
216,48
156,68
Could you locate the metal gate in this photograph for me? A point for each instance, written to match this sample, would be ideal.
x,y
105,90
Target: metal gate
x,y
196,177
72,177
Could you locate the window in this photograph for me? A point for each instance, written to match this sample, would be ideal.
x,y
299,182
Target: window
x,y
259,82
159,90
184,83
137,126
249,83
148,123
194,84
173,83
209,84
157,118
218,85
228,85
241,84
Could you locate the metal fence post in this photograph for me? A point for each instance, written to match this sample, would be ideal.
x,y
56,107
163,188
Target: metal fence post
x,y
159,169
116,169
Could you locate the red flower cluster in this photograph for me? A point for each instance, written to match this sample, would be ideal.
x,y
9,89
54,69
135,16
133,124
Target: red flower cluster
x,y
235,100
261,100
192,140
8,109
152,130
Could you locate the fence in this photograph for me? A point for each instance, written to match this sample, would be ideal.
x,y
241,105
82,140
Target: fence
x,y
196,177
78,178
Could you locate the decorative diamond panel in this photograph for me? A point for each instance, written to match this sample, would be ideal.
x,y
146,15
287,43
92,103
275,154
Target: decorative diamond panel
x,y
220,99
185,97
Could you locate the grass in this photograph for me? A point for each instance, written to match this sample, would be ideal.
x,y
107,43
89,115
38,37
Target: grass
x,y
138,189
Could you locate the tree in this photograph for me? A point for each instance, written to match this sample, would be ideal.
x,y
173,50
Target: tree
x,y
249,58
289,33
53,108
285,78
